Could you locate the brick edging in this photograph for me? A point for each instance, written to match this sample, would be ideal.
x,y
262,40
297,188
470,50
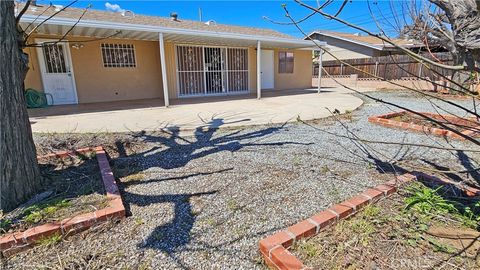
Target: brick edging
x,y
384,120
468,190
274,248
14,242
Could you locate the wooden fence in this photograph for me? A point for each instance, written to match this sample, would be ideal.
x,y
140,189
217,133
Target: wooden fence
x,y
388,67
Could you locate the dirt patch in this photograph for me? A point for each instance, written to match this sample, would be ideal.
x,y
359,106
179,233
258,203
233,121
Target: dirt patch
x,y
457,123
72,186
116,144
459,238
398,234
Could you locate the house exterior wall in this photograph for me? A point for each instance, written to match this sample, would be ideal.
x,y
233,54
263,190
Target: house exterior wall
x,y
34,77
302,71
252,69
171,65
95,83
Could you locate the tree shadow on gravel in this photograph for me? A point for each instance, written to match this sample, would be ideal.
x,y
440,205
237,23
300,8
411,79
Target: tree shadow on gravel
x,y
385,167
176,233
467,163
174,152
180,150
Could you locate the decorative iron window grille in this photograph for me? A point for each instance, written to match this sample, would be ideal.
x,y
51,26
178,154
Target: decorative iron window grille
x,y
54,58
211,70
118,55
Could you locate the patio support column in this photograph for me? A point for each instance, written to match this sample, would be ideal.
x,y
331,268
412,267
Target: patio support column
x,y
259,70
320,66
164,70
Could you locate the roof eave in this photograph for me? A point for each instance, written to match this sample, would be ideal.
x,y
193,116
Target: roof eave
x,y
158,29
349,40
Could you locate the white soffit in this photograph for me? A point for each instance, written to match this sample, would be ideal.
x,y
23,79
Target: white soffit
x,y
98,29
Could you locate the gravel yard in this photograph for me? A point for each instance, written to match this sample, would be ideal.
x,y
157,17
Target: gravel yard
x,y
204,202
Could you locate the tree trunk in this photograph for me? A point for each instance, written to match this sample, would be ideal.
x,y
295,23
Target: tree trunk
x,y
463,17
460,77
466,78
19,172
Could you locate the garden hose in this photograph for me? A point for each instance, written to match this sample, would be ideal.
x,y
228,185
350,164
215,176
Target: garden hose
x,y
36,99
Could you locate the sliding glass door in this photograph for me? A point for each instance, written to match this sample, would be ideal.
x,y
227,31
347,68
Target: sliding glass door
x,y
211,70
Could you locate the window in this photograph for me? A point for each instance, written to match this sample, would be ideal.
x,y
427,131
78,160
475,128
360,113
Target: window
x,y
118,55
54,58
285,62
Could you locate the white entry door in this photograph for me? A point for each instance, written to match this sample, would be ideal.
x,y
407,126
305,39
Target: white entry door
x,y
267,69
57,73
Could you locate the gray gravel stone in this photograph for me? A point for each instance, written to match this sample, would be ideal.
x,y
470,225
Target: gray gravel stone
x,y
207,200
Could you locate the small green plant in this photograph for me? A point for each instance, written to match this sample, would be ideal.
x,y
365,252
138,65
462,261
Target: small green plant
x,y
470,217
134,177
195,212
209,221
324,169
427,200
311,250
84,156
371,211
296,161
157,236
5,225
242,230
440,247
232,205
38,212
334,193
139,221
50,240
363,228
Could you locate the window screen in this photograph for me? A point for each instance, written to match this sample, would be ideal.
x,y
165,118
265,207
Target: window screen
x,y
118,55
285,62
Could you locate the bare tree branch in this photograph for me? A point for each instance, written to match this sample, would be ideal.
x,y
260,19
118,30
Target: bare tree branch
x,y
49,17
406,51
36,18
24,9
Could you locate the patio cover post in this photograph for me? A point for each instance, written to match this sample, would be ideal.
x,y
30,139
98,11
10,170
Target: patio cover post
x,y
320,66
164,70
259,72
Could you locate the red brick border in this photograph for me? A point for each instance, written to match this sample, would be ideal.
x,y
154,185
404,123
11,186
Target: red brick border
x,y
14,242
384,120
468,190
274,248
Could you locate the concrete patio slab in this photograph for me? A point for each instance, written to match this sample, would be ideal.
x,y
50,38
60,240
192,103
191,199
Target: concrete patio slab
x,y
191,114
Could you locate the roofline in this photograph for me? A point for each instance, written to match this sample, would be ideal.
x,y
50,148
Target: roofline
x,y
159,29
347,39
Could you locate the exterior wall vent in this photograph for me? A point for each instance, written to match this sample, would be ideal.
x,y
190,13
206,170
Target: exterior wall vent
x,y
211,22
128,13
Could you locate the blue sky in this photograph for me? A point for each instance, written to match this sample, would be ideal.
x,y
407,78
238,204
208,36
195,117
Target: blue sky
x,y
251,13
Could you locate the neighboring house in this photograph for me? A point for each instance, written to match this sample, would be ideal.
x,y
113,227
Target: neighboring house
x,y
355,46
111,56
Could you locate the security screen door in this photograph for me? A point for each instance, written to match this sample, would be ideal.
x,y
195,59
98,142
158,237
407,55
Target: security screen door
x,y
56,70
211,70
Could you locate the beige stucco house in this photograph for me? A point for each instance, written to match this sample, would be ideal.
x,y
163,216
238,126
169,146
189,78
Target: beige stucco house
x,y
107,56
